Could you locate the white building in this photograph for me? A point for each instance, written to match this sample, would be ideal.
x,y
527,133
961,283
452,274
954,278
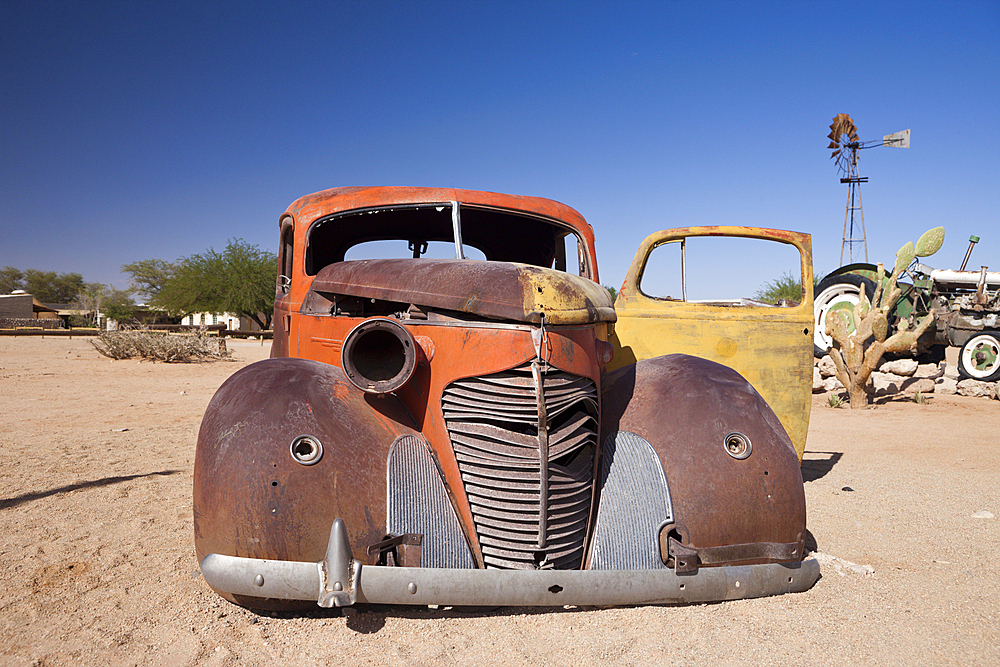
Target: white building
x,y
232,321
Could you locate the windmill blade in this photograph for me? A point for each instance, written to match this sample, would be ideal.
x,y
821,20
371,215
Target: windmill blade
x,y
833,144
843,124
835,153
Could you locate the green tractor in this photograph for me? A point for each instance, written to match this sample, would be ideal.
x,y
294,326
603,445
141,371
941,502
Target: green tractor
x,y
965,305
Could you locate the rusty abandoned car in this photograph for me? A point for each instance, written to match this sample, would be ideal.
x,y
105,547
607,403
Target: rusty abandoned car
x,y
442,428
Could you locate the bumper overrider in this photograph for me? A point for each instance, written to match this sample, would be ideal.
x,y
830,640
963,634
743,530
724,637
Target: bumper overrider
x,y
340,581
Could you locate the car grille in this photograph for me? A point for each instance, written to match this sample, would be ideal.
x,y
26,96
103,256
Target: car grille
x,y
526,520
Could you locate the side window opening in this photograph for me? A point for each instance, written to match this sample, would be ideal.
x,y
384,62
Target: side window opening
x,y
559,263
724,271
286,252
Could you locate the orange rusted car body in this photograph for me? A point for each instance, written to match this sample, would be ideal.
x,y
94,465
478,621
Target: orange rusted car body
x,y
446,430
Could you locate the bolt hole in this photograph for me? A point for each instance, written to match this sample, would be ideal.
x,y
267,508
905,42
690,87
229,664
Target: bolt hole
x,y
306,450
274,482
737,445
555,588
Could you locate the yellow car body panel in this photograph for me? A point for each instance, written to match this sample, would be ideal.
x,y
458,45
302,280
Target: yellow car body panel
x,y
772,347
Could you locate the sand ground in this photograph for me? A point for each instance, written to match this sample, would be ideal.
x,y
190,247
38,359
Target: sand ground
x,y
98,563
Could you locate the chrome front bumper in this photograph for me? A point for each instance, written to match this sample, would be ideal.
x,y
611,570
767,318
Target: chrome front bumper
x,y
340,581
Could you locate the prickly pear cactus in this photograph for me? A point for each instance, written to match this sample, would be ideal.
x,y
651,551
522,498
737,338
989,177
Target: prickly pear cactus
x,y
862,334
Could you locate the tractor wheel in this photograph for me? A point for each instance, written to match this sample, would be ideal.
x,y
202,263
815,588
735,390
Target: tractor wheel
x,y
835,293
979,358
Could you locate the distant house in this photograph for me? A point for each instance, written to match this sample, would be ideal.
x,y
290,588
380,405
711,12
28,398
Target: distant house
x,y
233,321
20,309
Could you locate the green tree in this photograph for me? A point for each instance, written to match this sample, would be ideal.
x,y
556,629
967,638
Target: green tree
x,y
118,305
11,279
52,287
240,280
612,291
148,276
96,299
787,287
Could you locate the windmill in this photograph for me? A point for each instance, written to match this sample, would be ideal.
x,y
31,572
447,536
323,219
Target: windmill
x,y
845,144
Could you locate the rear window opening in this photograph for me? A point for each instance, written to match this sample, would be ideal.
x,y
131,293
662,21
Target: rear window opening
x,y
410,250
428,231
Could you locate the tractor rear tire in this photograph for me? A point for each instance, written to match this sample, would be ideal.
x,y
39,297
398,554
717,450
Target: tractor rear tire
x,y
835,292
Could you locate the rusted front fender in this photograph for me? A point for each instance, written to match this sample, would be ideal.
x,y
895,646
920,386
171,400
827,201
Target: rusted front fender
x,y
737,508
256,498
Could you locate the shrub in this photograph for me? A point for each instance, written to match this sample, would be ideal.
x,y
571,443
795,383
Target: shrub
x,y
160,346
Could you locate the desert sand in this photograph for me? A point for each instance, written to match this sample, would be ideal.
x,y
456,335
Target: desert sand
x,y
98,562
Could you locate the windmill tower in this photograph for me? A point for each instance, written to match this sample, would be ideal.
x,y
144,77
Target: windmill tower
x,y
845,144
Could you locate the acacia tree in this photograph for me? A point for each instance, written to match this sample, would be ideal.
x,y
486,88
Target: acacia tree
x,y
96,299
49,286
148,276
11,278
240,280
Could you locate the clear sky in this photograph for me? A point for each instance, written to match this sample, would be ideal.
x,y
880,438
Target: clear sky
x,y
138,130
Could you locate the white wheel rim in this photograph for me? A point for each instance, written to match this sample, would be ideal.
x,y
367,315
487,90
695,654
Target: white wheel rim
x,y
827,299
977,343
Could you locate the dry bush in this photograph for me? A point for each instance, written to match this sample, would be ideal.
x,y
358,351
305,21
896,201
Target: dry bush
x,y
161,346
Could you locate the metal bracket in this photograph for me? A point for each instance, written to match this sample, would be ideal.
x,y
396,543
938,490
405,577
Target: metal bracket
x,y
398,550
687,559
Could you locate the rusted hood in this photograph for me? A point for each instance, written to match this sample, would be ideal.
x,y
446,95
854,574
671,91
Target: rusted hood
x,y
498,290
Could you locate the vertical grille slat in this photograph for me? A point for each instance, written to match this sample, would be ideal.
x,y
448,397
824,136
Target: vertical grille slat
x,y
524,520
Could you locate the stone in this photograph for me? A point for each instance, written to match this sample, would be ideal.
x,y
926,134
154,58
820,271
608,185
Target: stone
x,y
917,385
928,371
826,367
903,367
983,515
976,389
832,384
949,370
886,383
946,385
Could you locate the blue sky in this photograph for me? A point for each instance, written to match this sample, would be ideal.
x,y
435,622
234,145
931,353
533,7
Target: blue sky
x,y
133,130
